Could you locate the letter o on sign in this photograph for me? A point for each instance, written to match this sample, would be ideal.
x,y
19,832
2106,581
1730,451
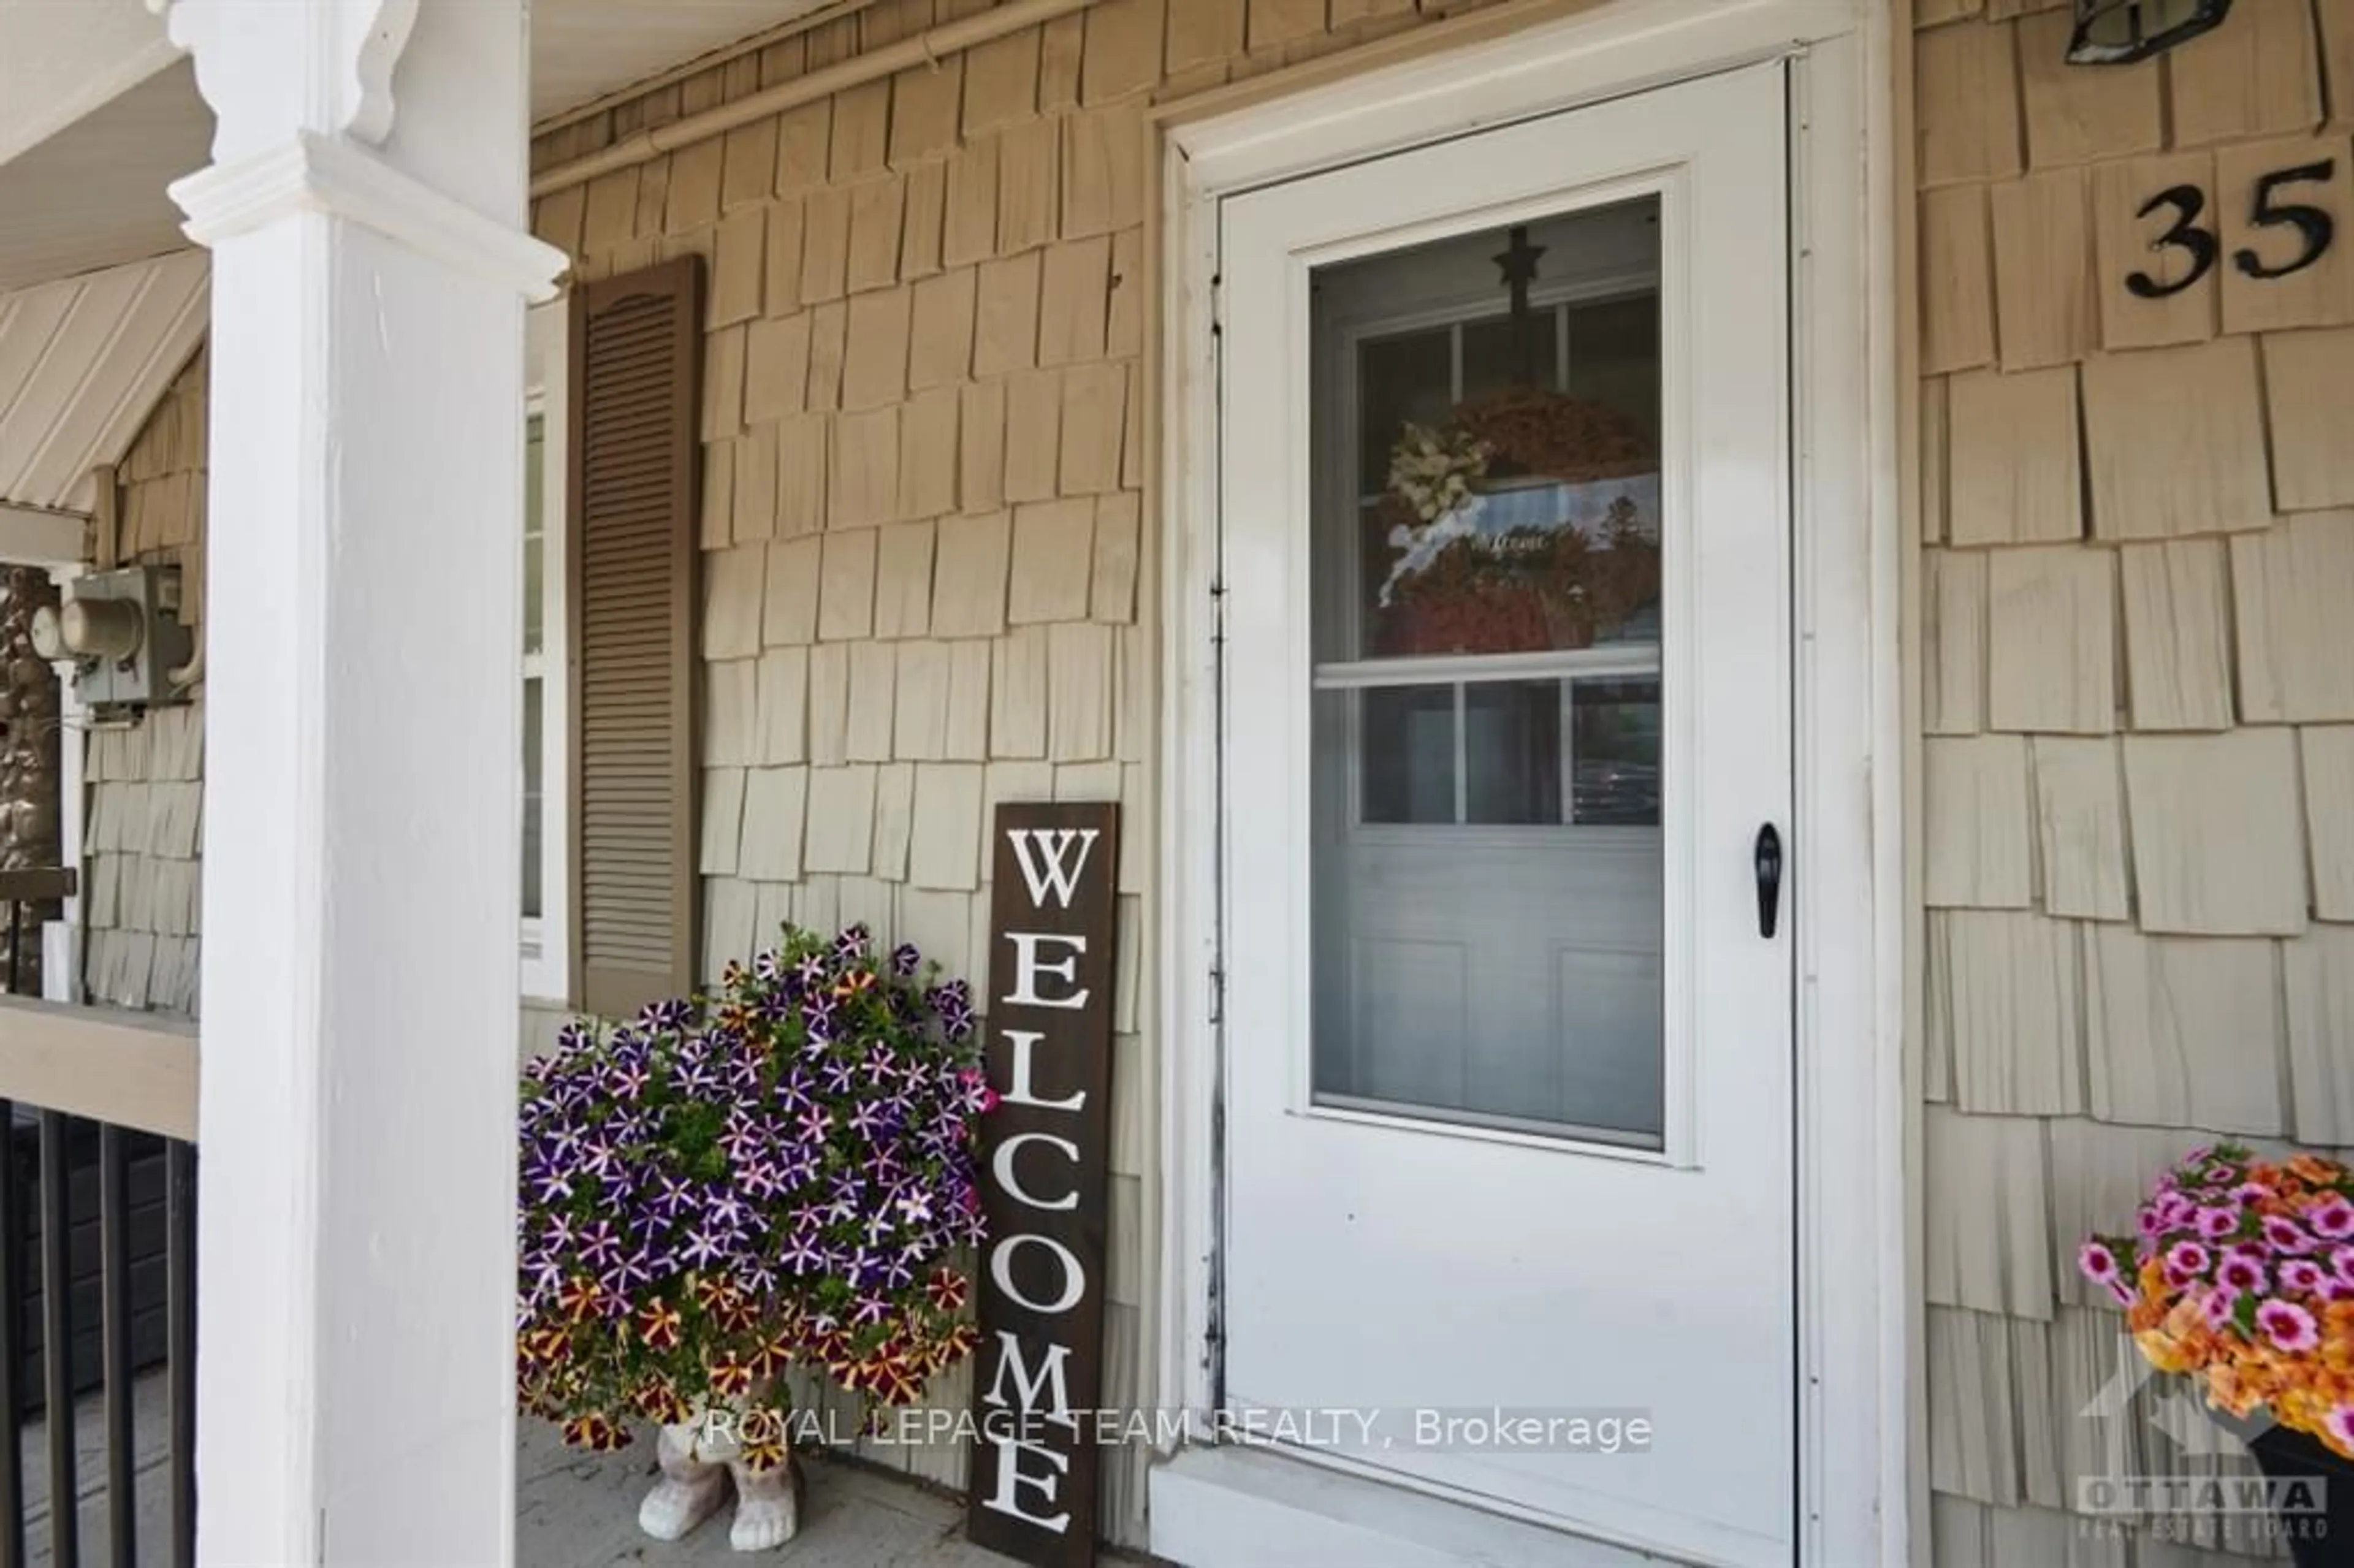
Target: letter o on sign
x,y
1000,1270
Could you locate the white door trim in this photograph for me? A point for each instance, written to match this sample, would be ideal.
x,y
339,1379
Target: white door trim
x,y
1855,1282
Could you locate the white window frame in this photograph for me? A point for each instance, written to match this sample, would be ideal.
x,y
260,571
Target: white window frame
x,y
1858,1114
545,940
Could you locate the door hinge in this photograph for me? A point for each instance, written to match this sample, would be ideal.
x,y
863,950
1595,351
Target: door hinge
x,y
1218,997
1217,312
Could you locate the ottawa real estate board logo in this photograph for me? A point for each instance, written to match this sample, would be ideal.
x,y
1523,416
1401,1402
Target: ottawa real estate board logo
x,y
2168,1467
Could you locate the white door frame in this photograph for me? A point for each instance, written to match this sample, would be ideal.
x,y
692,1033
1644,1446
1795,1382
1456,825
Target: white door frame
x,y
1854,1278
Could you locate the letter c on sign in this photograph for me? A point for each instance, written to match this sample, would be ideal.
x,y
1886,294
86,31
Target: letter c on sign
x,y
1000,1165
1000,1270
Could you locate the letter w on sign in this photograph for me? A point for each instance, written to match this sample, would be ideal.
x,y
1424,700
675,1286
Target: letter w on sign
x,y
1052,861
1045,1161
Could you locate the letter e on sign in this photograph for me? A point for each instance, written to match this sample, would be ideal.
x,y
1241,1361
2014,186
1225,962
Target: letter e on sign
x,y
1045,1161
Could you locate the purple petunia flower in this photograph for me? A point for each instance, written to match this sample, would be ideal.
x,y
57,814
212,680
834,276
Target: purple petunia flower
x,y
544,1276
600,1244
2098,1262
906,961
703,1249
2301,1273
629,1272
798,1166
2286,1235
548,1184
627,1080
665,1016
676,1197
2332,1219
2289,1326
2216,1222
2220,1307
2241,1273
560,1234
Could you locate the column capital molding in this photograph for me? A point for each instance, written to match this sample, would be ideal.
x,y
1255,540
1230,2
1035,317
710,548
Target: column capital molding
x,y
331,174
346,50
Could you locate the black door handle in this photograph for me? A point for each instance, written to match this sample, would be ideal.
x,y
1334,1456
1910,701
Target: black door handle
x,y
1769,878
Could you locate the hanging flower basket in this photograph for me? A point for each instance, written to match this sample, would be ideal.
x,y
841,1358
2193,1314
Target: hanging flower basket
x,y
1460,587
2242,1279
778,1174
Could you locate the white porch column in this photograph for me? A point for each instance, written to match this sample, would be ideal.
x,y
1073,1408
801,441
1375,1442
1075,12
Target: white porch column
x,y
355,1259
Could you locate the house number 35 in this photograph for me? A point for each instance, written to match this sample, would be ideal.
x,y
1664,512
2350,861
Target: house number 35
x,y
2270,207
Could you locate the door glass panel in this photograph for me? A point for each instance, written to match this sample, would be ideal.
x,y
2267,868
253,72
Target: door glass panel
x,y
1409,750
535,798
1615,737
1511,752
1487,828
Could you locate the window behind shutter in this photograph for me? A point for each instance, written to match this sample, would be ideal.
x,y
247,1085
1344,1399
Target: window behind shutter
x,y
636,369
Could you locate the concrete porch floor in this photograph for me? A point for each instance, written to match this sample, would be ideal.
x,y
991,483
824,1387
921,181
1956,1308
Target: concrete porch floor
x,y
580,1510
572,1509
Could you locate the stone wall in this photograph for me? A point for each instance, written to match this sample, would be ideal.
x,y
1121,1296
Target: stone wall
x,y
29,750
2138,695
144,814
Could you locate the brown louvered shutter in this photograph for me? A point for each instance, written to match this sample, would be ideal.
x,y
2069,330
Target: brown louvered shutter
x,y
636,368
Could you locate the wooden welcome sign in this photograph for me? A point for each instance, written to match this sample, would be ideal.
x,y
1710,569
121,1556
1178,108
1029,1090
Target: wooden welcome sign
x,y
1045,1159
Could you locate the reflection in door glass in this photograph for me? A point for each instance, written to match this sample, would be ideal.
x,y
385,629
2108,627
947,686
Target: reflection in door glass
x,y
1488,558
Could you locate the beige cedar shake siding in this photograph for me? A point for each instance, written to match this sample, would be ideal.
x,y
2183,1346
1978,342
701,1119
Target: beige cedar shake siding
x,y
144,793
928,569
2138,693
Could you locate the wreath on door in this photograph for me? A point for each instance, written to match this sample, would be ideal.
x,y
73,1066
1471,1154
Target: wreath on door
x,y
1457,587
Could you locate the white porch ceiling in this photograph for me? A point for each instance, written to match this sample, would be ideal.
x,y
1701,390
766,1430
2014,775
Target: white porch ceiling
x,y
583,49
82,360
93,195
80,192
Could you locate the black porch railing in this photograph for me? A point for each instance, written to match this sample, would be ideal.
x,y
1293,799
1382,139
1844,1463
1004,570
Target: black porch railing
x,y
96,1278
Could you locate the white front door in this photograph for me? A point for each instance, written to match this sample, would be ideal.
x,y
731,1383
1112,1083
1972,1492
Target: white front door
x,y
1506,551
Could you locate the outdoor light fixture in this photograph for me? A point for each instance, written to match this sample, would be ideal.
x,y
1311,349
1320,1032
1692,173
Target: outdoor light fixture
x,y
2119,32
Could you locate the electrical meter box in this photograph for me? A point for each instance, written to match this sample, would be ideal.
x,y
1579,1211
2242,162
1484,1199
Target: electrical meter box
x,y
122,629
